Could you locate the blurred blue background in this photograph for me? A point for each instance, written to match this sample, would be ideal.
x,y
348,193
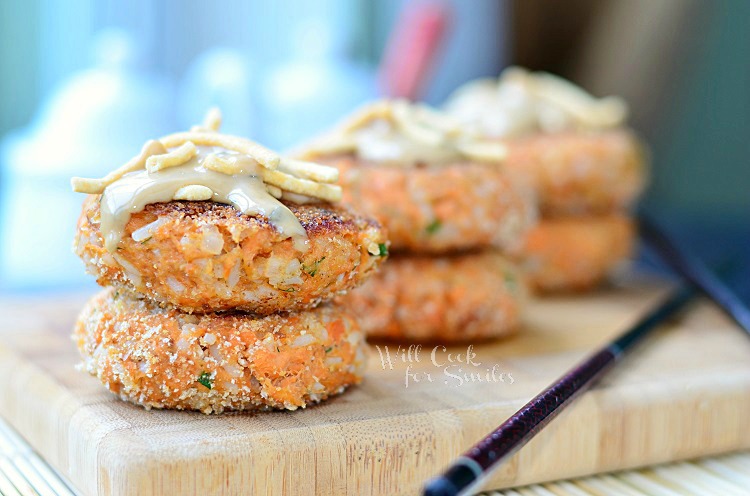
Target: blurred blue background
x,y
85,82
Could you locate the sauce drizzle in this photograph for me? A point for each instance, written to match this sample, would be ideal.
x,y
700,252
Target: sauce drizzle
x,y
245,191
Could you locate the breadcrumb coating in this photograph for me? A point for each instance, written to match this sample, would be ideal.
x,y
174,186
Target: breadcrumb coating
x,y
438,208
579,172
576,253
444,299
161,358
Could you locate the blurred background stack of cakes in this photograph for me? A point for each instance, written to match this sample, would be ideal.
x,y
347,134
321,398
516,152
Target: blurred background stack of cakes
x,y
585,168
452,213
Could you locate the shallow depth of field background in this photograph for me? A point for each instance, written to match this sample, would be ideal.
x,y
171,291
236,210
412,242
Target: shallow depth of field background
x,y
83,83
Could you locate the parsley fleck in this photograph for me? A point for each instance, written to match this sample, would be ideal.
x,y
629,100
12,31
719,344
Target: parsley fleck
x,y
205,379
382,250
312,269
147,239
289,290
433,226
328,350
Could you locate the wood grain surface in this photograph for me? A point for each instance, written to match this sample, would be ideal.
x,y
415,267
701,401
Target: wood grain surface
x,y
686,394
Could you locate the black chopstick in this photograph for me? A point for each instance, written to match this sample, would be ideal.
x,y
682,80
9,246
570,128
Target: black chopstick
x,y
468,470
695,271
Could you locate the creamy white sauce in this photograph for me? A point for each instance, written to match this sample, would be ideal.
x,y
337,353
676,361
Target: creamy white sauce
x,y
245,191
522,102
381,142
403,134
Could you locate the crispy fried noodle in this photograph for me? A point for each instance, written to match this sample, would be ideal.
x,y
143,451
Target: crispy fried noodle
x,y
204,164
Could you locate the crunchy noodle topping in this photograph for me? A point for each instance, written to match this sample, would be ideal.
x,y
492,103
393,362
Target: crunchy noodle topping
x,y
522,102
294,176
205,165
402,133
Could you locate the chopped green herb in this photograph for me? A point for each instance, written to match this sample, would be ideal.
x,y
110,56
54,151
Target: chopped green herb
x,y
382,250
147,239
433,226
205,379
312,269
289,290
328,350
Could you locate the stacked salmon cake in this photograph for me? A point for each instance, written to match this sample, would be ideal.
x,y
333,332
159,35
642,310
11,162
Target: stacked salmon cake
x,y
218,259
452,212
574,151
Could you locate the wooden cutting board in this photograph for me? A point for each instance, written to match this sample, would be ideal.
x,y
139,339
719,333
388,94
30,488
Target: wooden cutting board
x,y
687,394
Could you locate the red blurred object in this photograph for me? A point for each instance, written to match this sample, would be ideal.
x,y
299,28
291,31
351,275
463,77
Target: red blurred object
x,y
412,48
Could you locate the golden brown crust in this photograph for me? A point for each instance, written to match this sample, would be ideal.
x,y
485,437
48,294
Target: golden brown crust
x,y
206,256
578,172
161,358
438,209
576,254
444,299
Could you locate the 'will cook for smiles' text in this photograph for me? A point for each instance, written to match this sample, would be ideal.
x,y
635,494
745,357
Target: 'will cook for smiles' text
x,y
450,363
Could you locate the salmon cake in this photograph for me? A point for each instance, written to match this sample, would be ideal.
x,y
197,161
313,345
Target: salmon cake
x,y
208,222
573,149
579,173
439,209
163,358
445,299
207,256
435,188
576,254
